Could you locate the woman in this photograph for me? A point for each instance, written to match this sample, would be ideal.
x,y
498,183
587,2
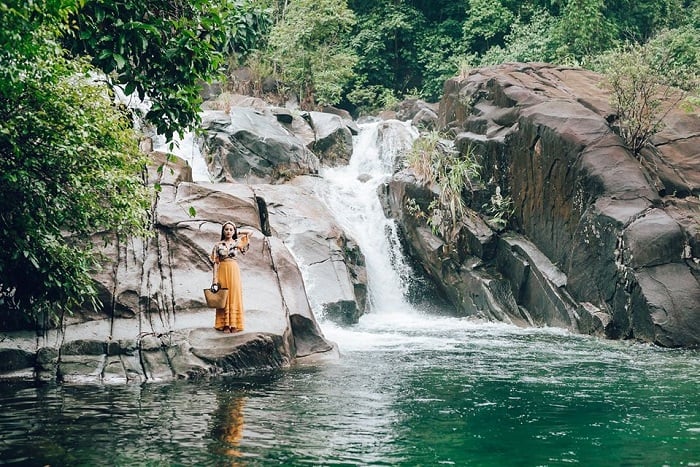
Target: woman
x,y
228,275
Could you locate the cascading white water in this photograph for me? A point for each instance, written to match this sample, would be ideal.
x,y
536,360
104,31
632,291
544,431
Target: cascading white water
x,y
184,146
187,148
351,195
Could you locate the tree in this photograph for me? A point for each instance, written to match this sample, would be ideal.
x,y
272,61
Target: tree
x,y
488,22
162,49
69,166
532,41
387,39
641,78
246,25
309,46
583,31
639,20
437,55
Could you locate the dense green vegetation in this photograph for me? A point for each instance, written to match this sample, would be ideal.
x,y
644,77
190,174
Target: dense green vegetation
x,y
310,47
408,48
69,163
69,166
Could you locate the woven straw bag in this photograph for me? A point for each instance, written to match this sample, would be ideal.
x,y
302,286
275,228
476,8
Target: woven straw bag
x,y
216,299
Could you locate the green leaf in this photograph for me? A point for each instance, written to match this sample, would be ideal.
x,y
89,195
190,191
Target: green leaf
x,y
119,60
129,88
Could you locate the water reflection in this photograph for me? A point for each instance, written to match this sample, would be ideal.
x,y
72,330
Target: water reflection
x,y
227,427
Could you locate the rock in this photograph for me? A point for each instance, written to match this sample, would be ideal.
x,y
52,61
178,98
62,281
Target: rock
x,y
284,116
651,240
387,115
409,109
425,119
343,114
257,143
666,306
14,360
154,324
333,138
167,170
252,146
270,85
332,263
619,232
210,90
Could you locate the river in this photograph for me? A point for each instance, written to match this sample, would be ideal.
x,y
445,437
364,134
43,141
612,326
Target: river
x,y
408,390
411,388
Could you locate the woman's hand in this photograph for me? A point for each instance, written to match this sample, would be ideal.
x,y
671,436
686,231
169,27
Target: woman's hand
x,y
244,242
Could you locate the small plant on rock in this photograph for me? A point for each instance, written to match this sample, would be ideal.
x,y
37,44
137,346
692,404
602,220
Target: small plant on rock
x,y
413,208
500,208
646,85
434,161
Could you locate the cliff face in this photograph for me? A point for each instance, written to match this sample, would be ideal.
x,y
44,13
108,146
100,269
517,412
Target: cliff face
x,y
601,242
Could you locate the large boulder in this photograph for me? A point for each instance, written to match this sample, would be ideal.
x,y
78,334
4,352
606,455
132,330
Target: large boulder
x,y
154,324
254,143
253,146
333,138
331,262
422,114
612,240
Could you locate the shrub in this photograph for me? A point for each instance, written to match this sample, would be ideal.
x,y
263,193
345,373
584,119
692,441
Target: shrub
x,y
643,80
434,161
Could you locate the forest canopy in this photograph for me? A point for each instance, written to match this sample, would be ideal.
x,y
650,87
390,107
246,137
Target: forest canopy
x,y
410,47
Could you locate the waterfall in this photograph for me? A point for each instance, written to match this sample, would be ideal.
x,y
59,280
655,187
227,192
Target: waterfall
x,y
351,195
186,147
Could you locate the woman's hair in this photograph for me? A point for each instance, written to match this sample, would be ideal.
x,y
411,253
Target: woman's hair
x,y
235,230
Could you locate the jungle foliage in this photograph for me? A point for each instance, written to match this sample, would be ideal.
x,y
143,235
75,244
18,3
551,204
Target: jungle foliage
x,y
409,47
309,47
69,166
164,49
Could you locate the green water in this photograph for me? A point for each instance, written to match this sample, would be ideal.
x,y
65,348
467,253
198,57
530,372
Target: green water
x,y
415,390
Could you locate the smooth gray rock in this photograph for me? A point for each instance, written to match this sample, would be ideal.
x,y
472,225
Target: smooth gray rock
x,y
332,264
333,138
251,145
154,325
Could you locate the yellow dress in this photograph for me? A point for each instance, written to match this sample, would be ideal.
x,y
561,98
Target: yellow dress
x,y
229,277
